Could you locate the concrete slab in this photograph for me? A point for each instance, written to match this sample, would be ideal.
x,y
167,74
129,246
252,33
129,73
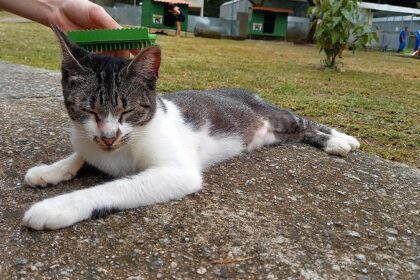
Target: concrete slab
x,y
286,212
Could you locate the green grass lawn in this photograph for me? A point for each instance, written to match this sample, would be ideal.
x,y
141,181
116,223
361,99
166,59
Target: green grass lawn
x,y
376,99
4,14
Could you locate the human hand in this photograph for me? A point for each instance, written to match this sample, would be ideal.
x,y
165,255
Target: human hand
x,y
83,14
79,14
66,14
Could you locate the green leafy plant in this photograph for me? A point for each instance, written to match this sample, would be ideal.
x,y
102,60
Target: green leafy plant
x,y
339,26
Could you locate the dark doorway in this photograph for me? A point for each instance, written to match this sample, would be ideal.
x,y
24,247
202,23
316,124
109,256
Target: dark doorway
x,y
269,22
168,17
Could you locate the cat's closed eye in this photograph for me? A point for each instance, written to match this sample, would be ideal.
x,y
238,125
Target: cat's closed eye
x,y
93,113
74,81
124,113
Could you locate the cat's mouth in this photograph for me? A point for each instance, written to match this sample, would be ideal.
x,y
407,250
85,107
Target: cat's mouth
x,y
108,144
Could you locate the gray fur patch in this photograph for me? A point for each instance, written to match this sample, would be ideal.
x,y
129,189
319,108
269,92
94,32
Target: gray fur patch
x,y
236,111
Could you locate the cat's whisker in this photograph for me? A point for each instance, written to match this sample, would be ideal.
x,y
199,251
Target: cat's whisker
x,y
128,142
137,136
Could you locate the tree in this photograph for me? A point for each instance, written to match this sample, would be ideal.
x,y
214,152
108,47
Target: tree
x,y
339,27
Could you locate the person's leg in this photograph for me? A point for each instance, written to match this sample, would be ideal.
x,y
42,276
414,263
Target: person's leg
x,y
401,47
178,28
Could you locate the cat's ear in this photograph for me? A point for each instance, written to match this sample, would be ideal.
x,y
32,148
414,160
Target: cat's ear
x,y
72,54
146,64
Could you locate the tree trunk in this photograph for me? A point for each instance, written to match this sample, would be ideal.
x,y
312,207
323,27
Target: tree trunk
x,y
311,34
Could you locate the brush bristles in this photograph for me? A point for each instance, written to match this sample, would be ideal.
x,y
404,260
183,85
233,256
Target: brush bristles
x,y
112,39
98,47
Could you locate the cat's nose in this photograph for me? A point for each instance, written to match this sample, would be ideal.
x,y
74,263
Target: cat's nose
x,y
109,140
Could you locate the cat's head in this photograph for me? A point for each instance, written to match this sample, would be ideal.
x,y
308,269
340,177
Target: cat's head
x,y
107,97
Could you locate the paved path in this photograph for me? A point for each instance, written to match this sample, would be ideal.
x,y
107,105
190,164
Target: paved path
x,y
14,19
287,212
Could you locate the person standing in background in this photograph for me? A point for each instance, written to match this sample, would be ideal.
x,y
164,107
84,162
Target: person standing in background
x,y
179,17
417,47
403,39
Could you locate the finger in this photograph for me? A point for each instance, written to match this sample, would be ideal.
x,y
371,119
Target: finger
x,y
101,19
88,15
78,14
64,23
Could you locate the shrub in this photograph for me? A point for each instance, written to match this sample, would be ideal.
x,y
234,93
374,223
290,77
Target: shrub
x,y
339,26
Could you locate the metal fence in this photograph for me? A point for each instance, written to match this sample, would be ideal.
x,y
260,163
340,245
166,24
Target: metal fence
x,y
223,26
125,14
389,28
297,28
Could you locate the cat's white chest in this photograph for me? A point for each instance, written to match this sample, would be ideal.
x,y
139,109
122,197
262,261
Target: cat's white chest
x,y
116,163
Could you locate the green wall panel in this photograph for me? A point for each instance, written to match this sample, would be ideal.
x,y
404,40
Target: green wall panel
x,y
152,15
256,24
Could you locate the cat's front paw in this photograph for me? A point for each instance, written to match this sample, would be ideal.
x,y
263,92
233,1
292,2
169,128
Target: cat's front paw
x,y
44,175
54,213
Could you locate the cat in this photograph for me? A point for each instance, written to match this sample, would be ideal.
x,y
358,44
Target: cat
x,y
157,146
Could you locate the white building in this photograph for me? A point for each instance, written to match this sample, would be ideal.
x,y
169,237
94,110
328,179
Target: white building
x,y
196,7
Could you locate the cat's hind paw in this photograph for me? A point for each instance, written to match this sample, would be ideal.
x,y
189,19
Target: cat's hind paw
x,y
353,142
337,146
44,175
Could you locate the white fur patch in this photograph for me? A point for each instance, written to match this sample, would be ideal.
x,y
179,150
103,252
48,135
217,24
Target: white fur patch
x,y
109,126
354,144
90,126
212,149
263,136
337,146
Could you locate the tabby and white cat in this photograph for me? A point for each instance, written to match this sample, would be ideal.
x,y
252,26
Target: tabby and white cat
x,y
157,145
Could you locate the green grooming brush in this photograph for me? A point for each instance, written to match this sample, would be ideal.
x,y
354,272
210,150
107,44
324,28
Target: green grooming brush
x,y
112,39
